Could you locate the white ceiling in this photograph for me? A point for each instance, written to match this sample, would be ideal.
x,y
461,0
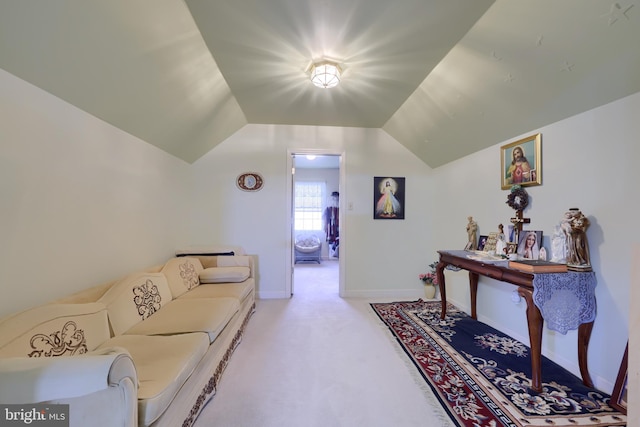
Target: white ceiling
x,y
445,78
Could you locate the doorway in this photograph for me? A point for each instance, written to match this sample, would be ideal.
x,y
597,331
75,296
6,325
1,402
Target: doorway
x,y
315,218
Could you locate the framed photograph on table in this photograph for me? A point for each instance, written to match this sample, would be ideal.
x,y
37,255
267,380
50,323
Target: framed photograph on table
x,y
481,242
529,244
521,162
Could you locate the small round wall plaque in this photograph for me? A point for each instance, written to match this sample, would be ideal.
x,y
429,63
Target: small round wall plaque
x,y
249,181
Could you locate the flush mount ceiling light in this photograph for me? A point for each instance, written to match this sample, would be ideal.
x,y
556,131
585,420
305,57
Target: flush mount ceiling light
x,y
325,74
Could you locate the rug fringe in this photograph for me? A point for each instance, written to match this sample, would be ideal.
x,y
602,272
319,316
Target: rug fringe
x,y
439,411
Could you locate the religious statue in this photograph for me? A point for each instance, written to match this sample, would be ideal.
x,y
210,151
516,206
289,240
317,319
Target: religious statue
x,y
574,225
472,228
501,241
558,245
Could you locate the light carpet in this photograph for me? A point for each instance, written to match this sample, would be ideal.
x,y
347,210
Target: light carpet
x,y
483,376
318,360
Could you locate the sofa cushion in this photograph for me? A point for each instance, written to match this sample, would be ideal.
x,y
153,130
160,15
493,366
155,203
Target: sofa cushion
x,y
134,299
217,290
163,364
209,315
54,330
182,274
224,274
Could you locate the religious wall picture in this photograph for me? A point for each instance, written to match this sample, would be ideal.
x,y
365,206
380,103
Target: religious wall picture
x,y
530,244
388,198
521,162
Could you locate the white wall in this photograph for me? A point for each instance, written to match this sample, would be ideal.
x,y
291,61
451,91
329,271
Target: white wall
x,y
81,202
589,162
380,257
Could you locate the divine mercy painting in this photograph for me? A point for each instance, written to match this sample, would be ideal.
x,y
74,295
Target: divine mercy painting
x,y
388,198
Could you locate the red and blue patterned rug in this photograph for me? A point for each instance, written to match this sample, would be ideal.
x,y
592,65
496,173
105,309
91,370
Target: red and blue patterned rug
x,y
482,376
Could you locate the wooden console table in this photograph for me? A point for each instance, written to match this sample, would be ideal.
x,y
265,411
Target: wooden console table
x,y
524,281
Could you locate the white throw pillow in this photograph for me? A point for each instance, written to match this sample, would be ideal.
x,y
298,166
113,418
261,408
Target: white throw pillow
x,y
224,274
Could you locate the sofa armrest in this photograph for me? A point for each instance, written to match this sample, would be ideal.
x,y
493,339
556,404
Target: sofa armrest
x,y
32,380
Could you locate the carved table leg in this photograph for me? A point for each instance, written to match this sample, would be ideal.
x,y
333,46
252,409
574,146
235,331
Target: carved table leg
x,y
534,322
584,335
443,289
473,285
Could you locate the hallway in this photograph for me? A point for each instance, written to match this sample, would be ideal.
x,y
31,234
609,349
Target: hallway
x,y
312,280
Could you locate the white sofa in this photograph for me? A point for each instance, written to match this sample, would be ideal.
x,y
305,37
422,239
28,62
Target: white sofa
x,y
147,349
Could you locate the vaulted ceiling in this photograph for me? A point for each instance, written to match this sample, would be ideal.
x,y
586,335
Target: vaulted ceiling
x,y
445,78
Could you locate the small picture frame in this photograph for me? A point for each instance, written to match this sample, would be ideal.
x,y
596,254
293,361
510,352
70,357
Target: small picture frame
x,y
521,162
511,235
529,244
481,242
619,395
490,244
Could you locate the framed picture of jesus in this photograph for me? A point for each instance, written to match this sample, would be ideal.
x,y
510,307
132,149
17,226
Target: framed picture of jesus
x,y
388,197
521,162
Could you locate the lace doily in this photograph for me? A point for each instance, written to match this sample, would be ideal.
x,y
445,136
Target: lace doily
x,y
566,300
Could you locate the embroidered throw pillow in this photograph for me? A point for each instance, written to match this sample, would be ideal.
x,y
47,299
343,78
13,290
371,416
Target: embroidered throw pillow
x,y
53,330
134,299
182,274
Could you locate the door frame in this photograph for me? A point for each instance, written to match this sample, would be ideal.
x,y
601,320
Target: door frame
x,y
290,231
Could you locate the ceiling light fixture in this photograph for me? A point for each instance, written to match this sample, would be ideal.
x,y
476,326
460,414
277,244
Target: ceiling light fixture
x,y
325,74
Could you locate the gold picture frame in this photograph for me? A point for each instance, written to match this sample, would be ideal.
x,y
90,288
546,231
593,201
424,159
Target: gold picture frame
x,y
521,162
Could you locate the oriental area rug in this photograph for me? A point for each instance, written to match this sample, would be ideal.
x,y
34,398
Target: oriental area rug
x,y
482,376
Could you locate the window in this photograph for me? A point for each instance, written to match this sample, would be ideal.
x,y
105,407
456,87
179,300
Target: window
x,y
308,204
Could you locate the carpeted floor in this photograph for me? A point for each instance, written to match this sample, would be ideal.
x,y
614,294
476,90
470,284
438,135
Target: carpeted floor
x,y
482,376
318,360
